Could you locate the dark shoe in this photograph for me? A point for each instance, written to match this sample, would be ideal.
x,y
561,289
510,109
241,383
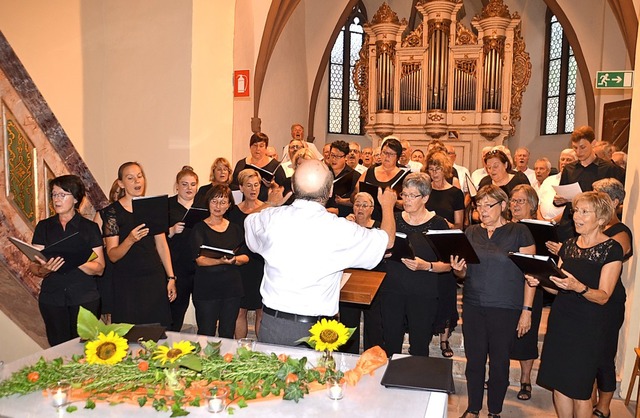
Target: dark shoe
x,y
446,349
600,414
525,391
470,414
493,415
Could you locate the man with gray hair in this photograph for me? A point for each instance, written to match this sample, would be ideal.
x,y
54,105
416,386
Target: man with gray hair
x,y
542,168
521,163
546,209
405,157
300,288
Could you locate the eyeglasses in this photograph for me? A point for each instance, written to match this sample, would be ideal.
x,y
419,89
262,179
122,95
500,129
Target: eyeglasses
x,y
362,205
332,155
295,147
581,212
60,195
389,154
487,206
355,151
434,169
519,201
408,196
223,202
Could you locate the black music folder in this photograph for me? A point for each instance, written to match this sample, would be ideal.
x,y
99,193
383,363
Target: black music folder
x,y
267,176
421,373
72,248
146,332
153,211
539,266
194,215
215,252
448,242
542,232
343,186
402,248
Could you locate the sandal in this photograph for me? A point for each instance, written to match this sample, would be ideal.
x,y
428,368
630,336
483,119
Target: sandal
x,y
446,349
600,414
525,392
470,414
493,415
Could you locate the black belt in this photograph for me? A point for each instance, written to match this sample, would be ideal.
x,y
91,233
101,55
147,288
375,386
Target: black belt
x,y
305,319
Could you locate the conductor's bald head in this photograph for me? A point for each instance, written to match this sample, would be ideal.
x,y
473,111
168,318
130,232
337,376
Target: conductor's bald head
x,y
312,181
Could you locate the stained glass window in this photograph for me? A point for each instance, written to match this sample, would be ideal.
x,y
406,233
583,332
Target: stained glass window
x,y
344,107
559,92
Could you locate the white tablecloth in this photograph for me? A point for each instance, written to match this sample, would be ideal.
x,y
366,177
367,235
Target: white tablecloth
x,y
367,399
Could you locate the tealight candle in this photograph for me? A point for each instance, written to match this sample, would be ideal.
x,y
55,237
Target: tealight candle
x,y
216,399
60,394
336,389
216,405
248,343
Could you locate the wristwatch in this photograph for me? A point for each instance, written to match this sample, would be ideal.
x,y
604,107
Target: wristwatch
x,y
172,278
586,289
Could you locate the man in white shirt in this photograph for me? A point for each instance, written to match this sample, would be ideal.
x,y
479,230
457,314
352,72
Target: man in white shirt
x,y
405,157
301,287
353,158
542,168
481,172
367,156
463,172
521,163
546,209
297,132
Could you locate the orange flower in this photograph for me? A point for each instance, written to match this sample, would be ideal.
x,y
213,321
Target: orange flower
x,y
283,357
143,366
33,377
228,357
291,378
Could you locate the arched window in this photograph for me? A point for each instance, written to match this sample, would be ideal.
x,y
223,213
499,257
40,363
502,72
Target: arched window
x,y
344,108
559,88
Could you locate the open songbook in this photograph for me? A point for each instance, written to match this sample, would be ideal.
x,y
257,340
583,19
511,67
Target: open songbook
x,y
542,232
451,242
267,176
214,252
69,248
194,215
539,266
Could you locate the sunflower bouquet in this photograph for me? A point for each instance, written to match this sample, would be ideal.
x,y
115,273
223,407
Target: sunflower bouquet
x,y
327,336
166,377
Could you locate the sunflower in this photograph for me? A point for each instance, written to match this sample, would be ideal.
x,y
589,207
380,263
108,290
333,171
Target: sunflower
x,y
106,349
328,335
179,349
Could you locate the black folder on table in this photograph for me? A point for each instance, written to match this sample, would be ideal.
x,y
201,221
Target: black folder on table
x,y
267,176
421,373
214,252
542,232
448,242
402,248
153,211
146,332
72,248
539,266
194,215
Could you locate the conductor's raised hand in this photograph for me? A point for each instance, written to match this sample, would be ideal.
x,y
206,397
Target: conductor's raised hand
x,y
276,196
387,197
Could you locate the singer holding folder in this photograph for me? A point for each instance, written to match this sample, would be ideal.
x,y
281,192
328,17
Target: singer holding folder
x,y
143,279
63,291
258,160
495,297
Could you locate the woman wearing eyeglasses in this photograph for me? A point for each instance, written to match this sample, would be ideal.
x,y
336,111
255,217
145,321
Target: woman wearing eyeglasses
x,y
494,295
345,180
579,317
386,173
350,312
217,286
66,287
523,204
409,292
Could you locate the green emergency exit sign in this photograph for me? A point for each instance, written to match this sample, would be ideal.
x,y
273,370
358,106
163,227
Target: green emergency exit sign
x,y
614,80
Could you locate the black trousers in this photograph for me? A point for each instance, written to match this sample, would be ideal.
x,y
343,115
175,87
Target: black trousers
x,y
223,312
488,333
61,322
415,311
372,334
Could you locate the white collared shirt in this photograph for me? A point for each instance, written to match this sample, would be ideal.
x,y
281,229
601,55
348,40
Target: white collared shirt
x,y
305,249
545,196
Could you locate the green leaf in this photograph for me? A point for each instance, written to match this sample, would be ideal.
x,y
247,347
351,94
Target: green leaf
x,y
195,402
242,403
118,329
88,324
231,410
305,340
178,411
190,361
212,349
71,408
142,401
90,404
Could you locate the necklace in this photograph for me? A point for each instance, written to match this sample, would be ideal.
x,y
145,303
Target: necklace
x,y
419,220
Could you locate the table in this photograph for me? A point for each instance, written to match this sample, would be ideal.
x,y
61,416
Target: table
x,y
367,399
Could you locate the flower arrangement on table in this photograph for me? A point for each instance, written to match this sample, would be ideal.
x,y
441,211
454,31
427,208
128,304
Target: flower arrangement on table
x,y
173,377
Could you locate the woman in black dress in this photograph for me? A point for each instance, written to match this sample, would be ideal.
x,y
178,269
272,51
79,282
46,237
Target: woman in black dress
x,y
500,172
447,201
578,320
409,291
143,279
258,159
217,287
178,239
67,287
249,181
493,298
606,377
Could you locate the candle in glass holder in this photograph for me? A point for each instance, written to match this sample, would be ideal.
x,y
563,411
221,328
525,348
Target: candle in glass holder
x,y
60,394
248,343
216,399
336,389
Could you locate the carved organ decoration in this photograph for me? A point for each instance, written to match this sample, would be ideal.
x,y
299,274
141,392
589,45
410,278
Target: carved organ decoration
x,y
444,79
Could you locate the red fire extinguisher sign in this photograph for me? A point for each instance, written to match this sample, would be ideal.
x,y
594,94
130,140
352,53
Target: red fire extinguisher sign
x,y
241,83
